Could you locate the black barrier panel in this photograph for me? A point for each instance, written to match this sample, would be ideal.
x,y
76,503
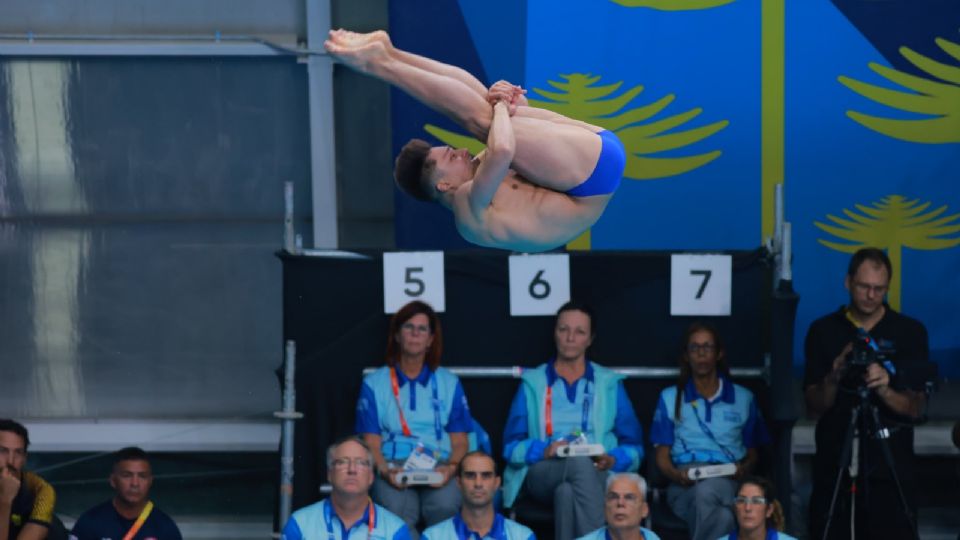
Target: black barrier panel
x,y
333,310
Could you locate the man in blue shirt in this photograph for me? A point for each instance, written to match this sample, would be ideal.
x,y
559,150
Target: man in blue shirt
x,y
348,514
478,481
130,514
626,507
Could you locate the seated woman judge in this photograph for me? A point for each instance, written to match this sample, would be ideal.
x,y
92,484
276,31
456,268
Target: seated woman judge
x,y
570,401
705,420
413,412
759,514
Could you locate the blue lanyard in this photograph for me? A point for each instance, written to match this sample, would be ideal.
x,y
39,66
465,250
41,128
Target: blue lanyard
x,y
706,429
328,518
437,427
587,398
436,408
548,409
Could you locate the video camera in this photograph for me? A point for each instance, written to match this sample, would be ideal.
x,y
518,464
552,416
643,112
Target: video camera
x,y
865,351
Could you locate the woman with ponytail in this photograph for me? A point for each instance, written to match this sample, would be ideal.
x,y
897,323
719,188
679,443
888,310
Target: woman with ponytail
x,y
759,514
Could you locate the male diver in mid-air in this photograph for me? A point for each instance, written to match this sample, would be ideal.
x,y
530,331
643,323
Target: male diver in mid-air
x,y
542,181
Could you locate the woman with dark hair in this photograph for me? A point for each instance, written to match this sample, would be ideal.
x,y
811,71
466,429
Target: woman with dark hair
x,y
570,400
414,406
703,420
759,514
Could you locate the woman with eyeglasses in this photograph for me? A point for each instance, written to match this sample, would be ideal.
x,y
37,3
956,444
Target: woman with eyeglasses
x,y
759,514
565,404
705,420
414,412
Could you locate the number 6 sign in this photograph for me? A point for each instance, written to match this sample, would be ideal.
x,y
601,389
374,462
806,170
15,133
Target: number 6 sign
x,y
539,284
700,284
414,275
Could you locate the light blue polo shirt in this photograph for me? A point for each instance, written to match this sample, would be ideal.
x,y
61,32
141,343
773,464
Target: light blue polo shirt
x,y
772,534
320,522
434,406
719,430
603,534
455,528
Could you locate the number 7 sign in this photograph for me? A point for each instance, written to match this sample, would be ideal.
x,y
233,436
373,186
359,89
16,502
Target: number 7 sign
x,y
700,284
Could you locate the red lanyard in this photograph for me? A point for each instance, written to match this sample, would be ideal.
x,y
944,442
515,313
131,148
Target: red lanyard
x,y
371,519
548,411
396,395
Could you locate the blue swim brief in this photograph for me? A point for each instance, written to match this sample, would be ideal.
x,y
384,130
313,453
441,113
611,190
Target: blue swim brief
x,y
606,175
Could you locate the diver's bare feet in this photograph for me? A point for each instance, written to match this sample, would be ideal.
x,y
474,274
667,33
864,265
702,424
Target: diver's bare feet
x,y
354,40
356,50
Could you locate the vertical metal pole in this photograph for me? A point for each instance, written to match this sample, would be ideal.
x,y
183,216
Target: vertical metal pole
x,y
786,253
289,415
322,154
289,234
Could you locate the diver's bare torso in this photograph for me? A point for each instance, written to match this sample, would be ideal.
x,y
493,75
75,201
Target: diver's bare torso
x,y
526,217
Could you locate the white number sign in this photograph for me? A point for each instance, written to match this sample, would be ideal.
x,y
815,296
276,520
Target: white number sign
x,y
539,284
700,284
413,275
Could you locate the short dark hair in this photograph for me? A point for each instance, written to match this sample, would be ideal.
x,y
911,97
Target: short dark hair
x,y
130,453
13,426
872,254
477,453
573,305
413,169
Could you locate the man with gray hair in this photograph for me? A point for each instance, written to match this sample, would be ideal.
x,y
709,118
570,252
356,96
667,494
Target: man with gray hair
x,y
349,513
625,508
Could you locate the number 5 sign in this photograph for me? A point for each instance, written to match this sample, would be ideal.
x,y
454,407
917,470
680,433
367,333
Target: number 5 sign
x,y
700,284
539,284
415,275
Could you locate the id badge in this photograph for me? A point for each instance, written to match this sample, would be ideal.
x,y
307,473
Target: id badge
x,y
576,437
422,458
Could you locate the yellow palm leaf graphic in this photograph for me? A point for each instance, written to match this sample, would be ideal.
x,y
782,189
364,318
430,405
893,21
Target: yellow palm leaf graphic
x,y
939,100
579,99
893,223
673,5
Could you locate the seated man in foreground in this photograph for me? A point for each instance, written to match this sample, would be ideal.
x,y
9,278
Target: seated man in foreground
x,y
626,507
130,513
349,513
543,179
478,481
26,500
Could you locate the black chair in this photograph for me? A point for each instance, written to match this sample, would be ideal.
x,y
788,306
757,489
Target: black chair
x,y
534,514
57,530
662,519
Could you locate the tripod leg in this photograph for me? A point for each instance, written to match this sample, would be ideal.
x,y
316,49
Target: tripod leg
x,y
842,465
888,458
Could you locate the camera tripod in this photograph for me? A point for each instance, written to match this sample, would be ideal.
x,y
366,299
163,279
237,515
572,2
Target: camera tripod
x,y
860,415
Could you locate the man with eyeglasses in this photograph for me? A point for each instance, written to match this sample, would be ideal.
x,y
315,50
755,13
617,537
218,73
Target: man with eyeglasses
x,y
348,514
478,481
895,385
625,508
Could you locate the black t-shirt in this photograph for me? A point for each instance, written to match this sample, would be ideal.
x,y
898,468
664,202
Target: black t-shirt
x,y
906,339
103,522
